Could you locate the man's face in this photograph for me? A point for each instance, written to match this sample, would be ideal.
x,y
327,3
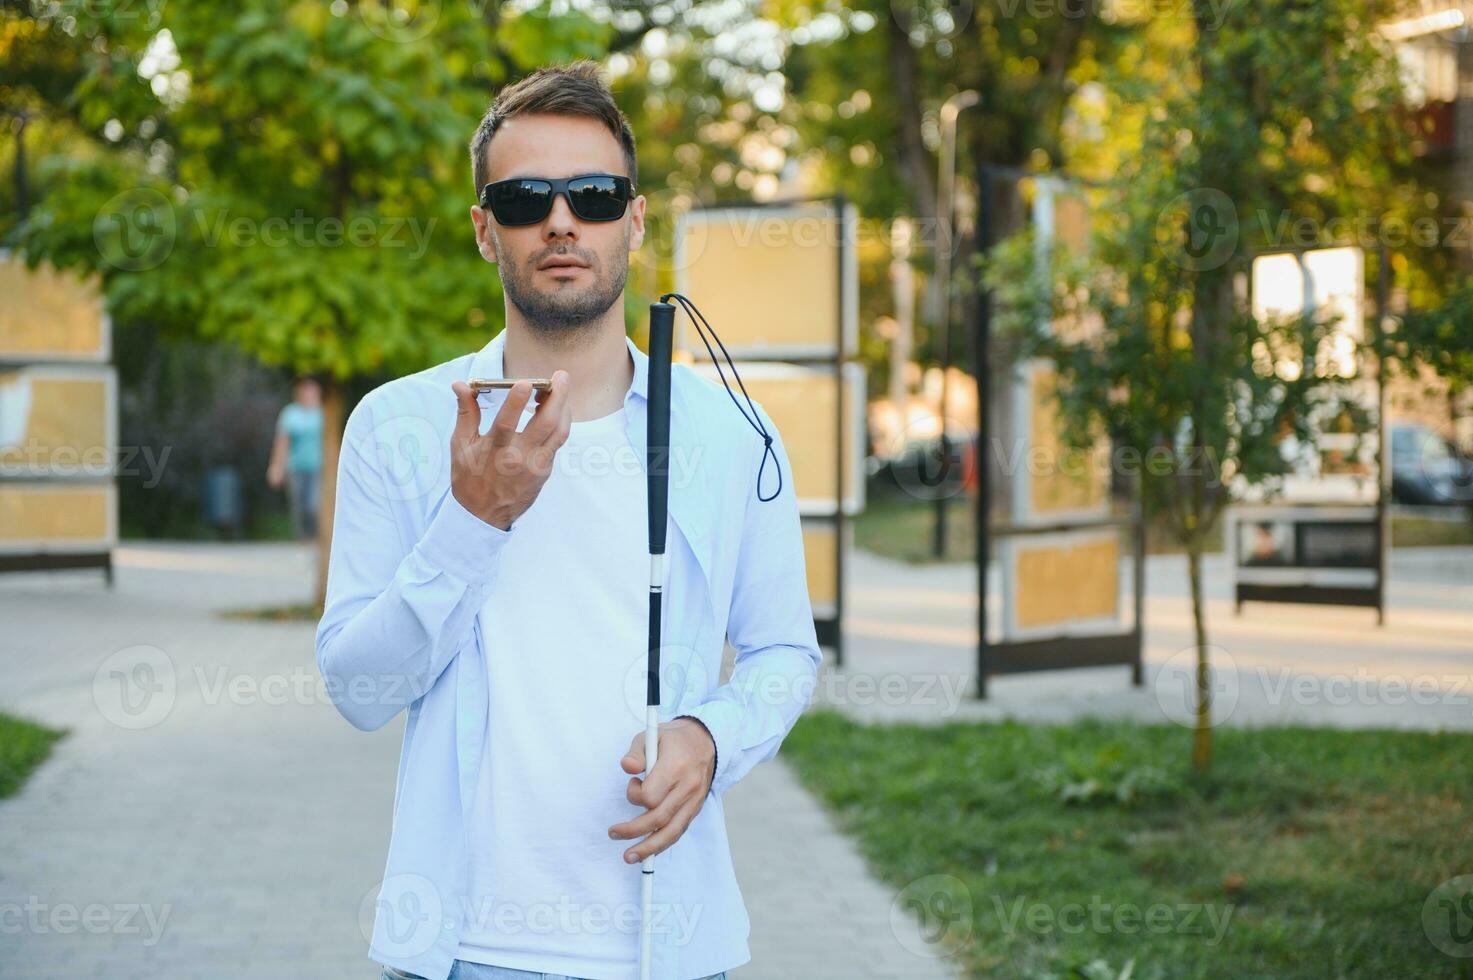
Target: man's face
x,y
559,298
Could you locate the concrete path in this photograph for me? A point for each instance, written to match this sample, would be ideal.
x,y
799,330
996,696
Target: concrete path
x,y
911,652
209,816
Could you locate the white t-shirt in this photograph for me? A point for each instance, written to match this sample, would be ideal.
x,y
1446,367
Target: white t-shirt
x,y
567,629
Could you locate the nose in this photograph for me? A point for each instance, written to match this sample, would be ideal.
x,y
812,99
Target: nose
x,y
561,221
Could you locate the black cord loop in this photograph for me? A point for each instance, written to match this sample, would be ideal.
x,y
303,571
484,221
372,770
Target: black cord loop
x,y
702,326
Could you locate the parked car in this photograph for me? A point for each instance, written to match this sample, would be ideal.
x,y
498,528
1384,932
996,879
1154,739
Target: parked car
x,y
1427,469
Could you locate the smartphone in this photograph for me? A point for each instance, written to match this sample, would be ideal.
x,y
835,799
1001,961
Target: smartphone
x,y
499,384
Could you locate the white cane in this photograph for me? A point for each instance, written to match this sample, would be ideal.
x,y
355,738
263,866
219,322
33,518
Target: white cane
x,y
657,469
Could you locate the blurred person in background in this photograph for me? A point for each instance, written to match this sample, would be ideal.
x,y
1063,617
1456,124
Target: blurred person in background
x,y
296,455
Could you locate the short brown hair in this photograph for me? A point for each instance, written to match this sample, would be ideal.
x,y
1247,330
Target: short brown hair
x,y
576,89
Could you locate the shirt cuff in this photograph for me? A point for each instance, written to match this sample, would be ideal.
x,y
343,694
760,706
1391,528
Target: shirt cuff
x,y
723,720
461,544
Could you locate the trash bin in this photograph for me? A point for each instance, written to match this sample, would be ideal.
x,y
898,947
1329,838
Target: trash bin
x,y
221,500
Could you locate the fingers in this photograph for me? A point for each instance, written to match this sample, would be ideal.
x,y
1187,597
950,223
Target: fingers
x,y
554,413
665,836
633,761
649,821
468,412
504,426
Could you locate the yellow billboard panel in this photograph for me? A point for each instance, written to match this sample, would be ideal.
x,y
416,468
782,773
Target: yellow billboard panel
x,y
821,560
1066,582
56,516
768,278
57,421
801,401
49,315
1062,481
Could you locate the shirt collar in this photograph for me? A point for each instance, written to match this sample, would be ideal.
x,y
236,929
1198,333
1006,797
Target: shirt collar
x,y
488,363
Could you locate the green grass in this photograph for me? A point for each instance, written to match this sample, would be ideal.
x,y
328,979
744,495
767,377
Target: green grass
x,y
301,612
24,745
1315,849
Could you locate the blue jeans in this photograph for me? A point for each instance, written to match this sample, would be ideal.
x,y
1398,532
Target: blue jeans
x,y
465,970
303,488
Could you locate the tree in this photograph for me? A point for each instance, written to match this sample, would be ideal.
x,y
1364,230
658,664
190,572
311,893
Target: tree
x,y
290,178
1158,349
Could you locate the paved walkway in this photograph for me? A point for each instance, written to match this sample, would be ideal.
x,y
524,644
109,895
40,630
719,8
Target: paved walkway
x,y
912,652
232,824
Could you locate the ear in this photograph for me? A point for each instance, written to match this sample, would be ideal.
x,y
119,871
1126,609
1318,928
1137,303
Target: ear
x,y
485,237
636,223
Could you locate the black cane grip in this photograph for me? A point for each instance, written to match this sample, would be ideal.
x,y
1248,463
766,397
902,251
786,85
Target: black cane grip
x,y
657,446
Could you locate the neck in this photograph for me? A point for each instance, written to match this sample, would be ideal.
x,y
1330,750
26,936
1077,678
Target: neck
x,y
596,358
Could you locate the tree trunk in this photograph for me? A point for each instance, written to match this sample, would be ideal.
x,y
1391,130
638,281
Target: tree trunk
x,y
332,445
1202,733
915,162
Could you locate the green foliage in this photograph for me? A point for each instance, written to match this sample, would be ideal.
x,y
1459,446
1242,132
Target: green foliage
x,y
1150,329
1439,338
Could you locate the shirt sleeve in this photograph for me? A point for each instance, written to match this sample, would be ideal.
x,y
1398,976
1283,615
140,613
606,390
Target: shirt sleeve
x,y
396,612
770,624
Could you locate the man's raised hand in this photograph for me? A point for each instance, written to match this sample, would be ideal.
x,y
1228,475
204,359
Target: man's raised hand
x,y
496,476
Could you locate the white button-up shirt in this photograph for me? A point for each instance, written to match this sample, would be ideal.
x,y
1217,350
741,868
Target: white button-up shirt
x,y
404,627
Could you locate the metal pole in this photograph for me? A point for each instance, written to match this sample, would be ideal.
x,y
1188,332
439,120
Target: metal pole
x,y
982,356
840,204
1383,510
945,244
22,195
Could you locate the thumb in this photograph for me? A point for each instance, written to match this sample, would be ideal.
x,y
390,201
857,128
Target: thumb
x,y
468,412
633,761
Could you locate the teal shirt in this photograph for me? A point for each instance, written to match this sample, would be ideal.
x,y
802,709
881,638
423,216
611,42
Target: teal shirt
x,y
303,429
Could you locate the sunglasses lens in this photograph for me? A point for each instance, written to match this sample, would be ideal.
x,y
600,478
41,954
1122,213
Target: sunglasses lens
x,y
598,198
521,202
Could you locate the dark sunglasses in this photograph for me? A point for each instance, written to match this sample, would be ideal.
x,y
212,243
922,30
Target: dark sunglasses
x,y
527,200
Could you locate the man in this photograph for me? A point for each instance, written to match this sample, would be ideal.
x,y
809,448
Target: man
x,y
296,455
490,573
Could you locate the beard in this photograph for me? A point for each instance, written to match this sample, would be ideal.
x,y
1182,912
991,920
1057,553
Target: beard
x,y
563,308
